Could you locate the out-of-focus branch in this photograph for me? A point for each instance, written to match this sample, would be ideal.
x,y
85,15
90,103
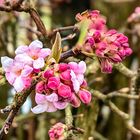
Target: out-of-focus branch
x,y
18,101
115,109
124,70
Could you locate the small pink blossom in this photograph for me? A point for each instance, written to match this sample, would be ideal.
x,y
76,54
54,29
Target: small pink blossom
x,y
32,55
135,16
45,103
39,87
110,47
18,74
58,132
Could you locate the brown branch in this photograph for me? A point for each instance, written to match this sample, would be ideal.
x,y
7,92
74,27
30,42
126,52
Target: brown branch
x,y
19,99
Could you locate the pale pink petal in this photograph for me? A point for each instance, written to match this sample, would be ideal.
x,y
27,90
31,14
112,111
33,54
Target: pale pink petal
x,y
6,63
26,71
82,67
18,84
73,66
44,52
80,78
52,97
39,63
21,49
51,107
24,59
40,98
75,82
10,77
60,105
39,109
36,45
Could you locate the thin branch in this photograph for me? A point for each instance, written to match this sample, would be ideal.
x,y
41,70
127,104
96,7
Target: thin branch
x,y
124,70
19,99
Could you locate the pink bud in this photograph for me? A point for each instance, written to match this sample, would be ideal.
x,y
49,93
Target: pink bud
x,y
39,87
65,75
75,102
57,132
64,91
85,96
106,66
48,73
53,83
63,67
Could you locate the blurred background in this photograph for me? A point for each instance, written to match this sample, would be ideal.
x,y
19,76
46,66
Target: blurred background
x,y
96,119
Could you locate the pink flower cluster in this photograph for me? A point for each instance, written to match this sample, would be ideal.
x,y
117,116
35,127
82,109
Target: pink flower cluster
x,y
135,17
58,132
62,84
28,60
97,22
109,46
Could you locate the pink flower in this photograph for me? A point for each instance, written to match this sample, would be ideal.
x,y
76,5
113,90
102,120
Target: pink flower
x,y
135,17
17,74
58,132
53,83
33,55
45,103
64,91
85,96
97,22
1,2
110,47
77,71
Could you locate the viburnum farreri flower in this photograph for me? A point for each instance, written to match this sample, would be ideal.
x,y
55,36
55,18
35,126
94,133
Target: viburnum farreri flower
x,y
62,84
58,132
110,47
20,70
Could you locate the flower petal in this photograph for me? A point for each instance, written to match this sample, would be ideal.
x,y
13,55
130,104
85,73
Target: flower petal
x,y
75,82
21,49
36,45
39,109
51,107
44,52
18,84
60,105
52,97
39,63
82,67
10,77
40,98
26,71
6,63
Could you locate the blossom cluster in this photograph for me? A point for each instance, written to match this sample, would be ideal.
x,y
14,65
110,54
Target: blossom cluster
x,y
135,17
58,132
61,84
27,62
108,46
58,85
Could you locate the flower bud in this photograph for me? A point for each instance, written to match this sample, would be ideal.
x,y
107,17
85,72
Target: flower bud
x,y
64,91
48,73
85,96
53,83
39,87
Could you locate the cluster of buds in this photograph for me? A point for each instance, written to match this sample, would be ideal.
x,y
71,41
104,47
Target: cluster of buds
x,y
135,17
108,46
29,60
61,84
58,132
